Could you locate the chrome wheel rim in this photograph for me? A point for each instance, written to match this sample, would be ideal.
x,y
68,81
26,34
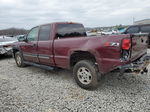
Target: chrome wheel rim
x,y
18,59
84,75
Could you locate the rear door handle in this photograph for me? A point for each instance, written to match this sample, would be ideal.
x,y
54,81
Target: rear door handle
x,y
33,45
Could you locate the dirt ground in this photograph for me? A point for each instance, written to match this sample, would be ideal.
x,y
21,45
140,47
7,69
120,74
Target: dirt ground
x,y
32,89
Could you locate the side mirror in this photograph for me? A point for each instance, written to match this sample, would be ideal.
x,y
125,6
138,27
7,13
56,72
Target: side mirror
x,y
124,32
25,39
22,38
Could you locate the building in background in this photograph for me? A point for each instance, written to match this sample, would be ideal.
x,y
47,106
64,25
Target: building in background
x,y
144,21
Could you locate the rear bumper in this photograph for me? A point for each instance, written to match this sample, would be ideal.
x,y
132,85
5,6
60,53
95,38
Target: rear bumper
x,y
137,66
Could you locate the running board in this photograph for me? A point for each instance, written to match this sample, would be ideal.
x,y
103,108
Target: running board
x,y
38,65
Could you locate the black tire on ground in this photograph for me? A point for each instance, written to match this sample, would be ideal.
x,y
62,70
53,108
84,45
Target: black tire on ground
x,y
19,59
86,74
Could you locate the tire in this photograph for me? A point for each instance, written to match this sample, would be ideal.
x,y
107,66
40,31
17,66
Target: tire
x,y
19,59
86,74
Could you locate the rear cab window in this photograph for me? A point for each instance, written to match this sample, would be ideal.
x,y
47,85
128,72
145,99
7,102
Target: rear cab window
x,y
133,29
44,33
70,31
145,29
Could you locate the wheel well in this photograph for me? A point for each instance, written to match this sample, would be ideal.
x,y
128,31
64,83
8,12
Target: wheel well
x,y
14,51
81,55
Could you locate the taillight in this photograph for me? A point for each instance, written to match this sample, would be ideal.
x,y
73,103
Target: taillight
x,y
126,44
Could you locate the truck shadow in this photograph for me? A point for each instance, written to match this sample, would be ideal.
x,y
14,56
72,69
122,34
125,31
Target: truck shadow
x,y
2,57
56,72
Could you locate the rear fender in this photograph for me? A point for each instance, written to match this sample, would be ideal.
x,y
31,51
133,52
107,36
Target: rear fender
x,y
92,52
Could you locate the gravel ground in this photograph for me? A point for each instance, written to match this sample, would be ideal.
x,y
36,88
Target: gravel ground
x,y
32,89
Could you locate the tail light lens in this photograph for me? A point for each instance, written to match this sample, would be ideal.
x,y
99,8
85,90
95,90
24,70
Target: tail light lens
x,y
126,44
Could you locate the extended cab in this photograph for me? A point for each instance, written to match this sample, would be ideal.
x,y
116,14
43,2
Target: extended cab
x,y
66,45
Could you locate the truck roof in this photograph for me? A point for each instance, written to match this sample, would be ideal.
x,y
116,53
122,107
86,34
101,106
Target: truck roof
x,y
59,23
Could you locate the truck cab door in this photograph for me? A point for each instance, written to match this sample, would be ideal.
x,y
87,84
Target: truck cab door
x,y
45,46
29,48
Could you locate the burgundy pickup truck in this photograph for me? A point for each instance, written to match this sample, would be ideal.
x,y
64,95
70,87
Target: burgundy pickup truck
x,y
66,45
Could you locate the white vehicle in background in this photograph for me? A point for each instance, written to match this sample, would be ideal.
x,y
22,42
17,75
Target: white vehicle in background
x,y
91,33
6,45
109,32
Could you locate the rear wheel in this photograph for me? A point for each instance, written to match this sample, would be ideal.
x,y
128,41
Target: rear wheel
x,y
19,59
86,74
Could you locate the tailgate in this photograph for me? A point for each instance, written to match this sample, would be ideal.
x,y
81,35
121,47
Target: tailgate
x,y
139,45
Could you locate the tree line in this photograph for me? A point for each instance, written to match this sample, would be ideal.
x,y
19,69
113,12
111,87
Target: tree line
x,y
13,32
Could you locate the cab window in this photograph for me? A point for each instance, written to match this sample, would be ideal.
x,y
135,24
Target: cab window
x,y
145,29
133,30
44,33
33,34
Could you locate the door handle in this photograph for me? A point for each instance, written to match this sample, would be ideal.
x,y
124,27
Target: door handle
x,y
33,45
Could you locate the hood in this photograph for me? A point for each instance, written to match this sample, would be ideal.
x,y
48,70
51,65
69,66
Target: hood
x,y
7,43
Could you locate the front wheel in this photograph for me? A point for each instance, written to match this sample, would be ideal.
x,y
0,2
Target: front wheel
x,y
86,74
19,59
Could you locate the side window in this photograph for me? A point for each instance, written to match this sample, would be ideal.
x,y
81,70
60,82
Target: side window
x,y
145,29
44,33
133,30
33,34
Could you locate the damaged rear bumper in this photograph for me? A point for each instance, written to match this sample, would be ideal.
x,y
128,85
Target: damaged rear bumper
x,y
138,66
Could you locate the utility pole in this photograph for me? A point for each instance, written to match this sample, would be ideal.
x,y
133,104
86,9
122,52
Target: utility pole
x,y
133,20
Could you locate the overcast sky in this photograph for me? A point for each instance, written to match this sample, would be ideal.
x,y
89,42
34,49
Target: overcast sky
x,y
92,13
